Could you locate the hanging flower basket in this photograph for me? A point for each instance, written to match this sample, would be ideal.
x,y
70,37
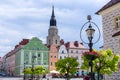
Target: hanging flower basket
x,y
90,55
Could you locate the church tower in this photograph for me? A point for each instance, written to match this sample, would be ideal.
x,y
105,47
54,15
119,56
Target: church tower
x,y
53,37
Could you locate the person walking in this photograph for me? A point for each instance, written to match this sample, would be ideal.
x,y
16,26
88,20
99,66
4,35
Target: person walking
x,y
87,77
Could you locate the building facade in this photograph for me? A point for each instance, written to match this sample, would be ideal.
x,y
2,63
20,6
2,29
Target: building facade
x,y
21,57
111,29
53,57
72,49
1,64
26,54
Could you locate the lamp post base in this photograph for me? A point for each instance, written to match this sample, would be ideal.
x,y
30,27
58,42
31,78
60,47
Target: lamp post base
x,y
92,76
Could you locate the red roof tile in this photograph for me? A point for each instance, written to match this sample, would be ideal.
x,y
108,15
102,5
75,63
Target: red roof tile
x,y
23,42
109,4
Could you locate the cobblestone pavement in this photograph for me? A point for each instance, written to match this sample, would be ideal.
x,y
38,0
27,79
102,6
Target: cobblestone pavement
x,y
42,79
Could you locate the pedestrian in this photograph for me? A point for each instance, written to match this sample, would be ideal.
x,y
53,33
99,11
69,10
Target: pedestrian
x,y
87,77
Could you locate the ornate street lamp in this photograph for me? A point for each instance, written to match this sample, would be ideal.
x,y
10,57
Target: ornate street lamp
x,y
90,34
24,72
33,58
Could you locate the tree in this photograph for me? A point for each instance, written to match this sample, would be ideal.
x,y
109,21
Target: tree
x,y
27,71
105,63
68,65
39,70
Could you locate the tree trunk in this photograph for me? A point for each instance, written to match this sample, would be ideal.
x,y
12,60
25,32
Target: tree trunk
x,y
98,75
67,76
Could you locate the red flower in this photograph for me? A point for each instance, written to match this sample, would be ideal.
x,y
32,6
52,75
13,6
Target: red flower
x,y
90,55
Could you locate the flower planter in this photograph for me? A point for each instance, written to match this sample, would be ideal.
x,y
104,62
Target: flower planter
x,y
90,55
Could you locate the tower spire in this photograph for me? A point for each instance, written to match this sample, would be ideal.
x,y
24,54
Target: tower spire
x,y
53,20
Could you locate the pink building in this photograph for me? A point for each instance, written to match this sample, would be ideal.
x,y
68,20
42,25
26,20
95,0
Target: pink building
x,y
9,58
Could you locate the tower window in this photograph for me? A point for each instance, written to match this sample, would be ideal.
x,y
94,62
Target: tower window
x,y
117,22
56,41
49,42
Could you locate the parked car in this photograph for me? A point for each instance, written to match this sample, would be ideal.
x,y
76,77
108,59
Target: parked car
x,y
3,74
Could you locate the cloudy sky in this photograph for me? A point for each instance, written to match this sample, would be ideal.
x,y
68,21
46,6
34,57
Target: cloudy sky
x,y
28,18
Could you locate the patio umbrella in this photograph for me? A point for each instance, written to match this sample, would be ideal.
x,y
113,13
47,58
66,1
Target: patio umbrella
x,y
54,71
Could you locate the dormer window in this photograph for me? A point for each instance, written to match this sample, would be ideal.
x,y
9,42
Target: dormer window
x,y
117,22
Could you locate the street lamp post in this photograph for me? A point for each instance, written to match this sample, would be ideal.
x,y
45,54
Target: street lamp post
x,y
90,34
33,58
67,65
24,72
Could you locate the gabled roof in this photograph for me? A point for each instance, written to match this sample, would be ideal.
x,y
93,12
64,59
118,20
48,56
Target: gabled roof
x,y
23,42
75,44
109,4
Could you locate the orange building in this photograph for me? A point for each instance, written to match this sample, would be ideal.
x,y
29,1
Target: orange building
x,y
53,57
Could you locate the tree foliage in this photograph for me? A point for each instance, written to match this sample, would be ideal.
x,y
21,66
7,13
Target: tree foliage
x,y
39,70
105,63
68,65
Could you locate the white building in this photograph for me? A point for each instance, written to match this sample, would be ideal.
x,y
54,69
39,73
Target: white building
x,y
111,29
62,52
72,49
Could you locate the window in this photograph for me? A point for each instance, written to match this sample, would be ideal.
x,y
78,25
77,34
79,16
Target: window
x,y
56,41
60,57
54,62
76,51
51,63
117,22
26,55
62,51
38,48
38,55
49,42
32,48
76,57
54,56
26,62
45,56
39,62
51,56
71,51
44,63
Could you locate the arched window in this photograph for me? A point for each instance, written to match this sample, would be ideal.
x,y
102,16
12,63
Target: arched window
x,y
56,41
